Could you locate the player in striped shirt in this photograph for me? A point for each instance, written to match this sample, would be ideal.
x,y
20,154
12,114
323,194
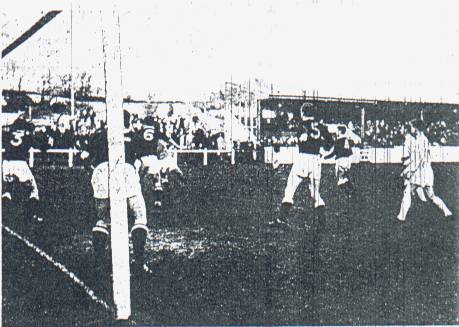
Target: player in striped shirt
x,y
417,173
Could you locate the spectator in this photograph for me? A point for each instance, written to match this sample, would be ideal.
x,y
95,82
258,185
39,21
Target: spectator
x,y
63,136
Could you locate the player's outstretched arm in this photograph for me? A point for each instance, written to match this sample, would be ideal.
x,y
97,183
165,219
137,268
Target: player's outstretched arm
x,y
353,137
174,144
327,154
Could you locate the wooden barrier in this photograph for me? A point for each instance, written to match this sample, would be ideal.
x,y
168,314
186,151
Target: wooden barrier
x,y
206,152
286,155
69,152
72,152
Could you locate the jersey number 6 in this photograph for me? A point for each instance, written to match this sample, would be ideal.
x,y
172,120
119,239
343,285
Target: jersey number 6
x,y
148,135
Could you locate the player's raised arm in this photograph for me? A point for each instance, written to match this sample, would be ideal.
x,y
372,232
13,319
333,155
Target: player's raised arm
x,y
352,136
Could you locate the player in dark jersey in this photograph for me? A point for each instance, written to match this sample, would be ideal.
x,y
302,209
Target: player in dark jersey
x,y
342,151
156,160
96,153
63,136
150,147
17,140
306,165
148,139
325,135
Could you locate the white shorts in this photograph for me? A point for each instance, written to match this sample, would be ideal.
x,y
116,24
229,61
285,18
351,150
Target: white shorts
x,y
99,181
307,166
154,165
423,176
343,164
151,164
20,170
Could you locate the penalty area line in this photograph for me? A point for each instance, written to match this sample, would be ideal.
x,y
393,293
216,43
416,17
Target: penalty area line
x,y
60,267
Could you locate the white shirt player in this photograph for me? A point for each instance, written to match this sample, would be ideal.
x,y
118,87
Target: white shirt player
x,y
418,168
418,173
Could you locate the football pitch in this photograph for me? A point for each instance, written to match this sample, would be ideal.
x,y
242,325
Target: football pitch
x,y
215,260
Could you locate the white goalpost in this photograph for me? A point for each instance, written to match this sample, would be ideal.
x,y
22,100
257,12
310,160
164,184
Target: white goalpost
x,y
117,187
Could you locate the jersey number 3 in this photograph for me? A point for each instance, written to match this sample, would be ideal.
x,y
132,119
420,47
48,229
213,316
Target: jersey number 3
x,y
17,140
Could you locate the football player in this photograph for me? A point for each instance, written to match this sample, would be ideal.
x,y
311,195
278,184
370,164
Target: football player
x,y
342,151
306,166
96,152
156,156
17,142
417,173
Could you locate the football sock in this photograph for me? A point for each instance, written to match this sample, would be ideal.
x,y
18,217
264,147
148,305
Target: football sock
x,y
347,187
285,209
350,187
158,195
100,241
321,220
139,238
33,208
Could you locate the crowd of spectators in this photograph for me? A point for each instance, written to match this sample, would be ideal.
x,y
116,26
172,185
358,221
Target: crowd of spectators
x,y
379,133
383,126
187,133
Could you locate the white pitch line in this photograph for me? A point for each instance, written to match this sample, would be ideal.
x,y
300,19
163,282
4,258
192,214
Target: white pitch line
x,y
60,267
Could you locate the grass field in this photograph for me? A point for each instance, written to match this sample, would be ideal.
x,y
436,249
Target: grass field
x,y
216,261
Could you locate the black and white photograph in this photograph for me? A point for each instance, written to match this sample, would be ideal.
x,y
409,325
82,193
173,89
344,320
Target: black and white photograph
x,y
229,163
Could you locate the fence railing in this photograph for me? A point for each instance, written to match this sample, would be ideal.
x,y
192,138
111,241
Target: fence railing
x,y
70,153
374,155
206,152
287,154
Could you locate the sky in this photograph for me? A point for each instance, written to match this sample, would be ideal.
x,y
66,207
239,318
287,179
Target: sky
x,y
184,50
